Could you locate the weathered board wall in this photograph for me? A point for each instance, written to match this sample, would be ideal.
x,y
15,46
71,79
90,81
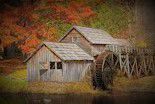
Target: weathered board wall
x,y
81,40
34,66
75,71
98,49
83,43
71,70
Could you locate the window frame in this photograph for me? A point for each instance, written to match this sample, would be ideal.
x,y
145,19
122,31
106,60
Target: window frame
x,y
60,65
75,39
53,66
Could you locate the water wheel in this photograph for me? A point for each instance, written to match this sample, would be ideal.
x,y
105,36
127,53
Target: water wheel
x,y
105,66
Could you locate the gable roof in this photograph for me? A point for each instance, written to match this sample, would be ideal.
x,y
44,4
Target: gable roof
x,y
94,36
65,51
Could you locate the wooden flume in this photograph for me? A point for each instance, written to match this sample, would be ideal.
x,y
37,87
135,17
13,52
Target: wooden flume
x,y
133,62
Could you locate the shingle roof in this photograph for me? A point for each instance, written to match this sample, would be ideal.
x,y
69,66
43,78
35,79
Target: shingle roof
x,y
95,36
66,51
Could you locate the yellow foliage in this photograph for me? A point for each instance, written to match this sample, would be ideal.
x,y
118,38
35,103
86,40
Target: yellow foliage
x,y
141,44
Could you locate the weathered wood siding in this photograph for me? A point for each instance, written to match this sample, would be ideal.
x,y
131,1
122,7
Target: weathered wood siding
x,y
71,71
83,43
98,48
34,66
75,71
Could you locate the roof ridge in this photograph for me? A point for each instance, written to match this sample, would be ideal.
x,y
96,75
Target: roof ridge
x,y
88,27
58,43
93,35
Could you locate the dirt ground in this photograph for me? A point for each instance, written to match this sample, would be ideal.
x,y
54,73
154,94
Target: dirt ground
x,y
10,65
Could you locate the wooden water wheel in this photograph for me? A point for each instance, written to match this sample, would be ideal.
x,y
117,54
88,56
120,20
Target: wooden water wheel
x,y
105,65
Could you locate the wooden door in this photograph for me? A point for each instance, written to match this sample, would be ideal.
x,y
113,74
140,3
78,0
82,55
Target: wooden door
x,y
44,74
44,71
56,71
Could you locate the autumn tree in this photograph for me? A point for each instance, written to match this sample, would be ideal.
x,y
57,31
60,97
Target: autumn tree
x,y
25,29
74,13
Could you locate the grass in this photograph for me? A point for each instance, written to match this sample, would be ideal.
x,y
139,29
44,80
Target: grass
x,y
19,74
145,84
16,82
11,65
61,88
82,87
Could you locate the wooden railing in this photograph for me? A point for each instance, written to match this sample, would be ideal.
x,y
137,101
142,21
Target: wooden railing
x,y
133,60
128,49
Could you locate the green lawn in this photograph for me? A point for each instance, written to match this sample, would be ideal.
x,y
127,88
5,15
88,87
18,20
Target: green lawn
x,y
16,82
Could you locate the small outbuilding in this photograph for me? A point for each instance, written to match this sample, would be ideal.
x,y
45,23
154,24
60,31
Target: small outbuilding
x,y
92,40
64,62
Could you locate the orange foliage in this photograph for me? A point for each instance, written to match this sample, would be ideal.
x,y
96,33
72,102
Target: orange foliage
x,y
29,36
30,44
21,24
75,13
38,34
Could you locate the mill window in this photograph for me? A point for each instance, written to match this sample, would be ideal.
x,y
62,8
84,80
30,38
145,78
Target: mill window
x,y
59,65
52,65
75,39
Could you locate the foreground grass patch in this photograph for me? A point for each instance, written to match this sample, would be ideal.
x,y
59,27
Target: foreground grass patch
x,y
19,74
14,82
61,88
145,84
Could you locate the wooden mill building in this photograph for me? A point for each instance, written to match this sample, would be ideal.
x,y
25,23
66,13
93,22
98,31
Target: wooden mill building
x,y
58,62
82,47
93,41
70,59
